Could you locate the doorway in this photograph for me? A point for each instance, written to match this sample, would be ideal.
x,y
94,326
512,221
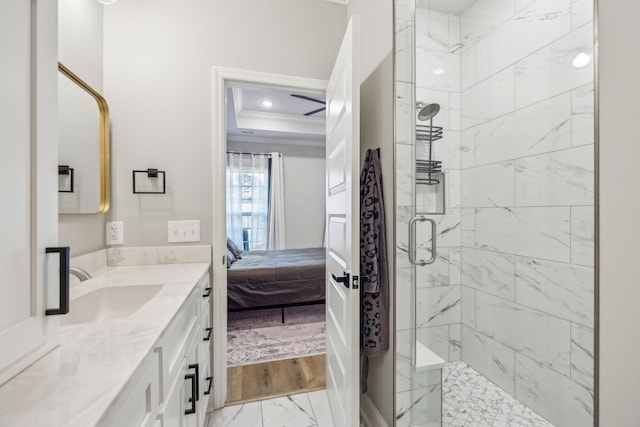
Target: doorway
x,y
224,81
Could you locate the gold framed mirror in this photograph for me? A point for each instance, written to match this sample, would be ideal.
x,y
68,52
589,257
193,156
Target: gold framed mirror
x,y
84,147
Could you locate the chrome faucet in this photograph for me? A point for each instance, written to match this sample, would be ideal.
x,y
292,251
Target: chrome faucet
x,y
79,273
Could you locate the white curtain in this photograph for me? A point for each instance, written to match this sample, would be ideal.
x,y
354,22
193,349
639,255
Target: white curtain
x,y
248,200
275,239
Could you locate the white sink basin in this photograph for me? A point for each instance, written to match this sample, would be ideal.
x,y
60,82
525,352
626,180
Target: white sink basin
x,y
113,302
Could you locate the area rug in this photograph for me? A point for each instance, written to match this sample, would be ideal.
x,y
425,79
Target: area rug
x,y
260,336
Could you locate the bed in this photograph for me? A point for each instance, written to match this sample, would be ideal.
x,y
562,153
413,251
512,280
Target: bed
x,y
276,279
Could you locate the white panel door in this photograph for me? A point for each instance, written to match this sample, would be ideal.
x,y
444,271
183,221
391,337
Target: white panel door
x,y
28,181
343,231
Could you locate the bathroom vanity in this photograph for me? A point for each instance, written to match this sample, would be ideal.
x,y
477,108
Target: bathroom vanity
x,y
134,350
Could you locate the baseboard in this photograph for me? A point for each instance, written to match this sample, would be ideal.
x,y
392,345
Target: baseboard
x,y
370,414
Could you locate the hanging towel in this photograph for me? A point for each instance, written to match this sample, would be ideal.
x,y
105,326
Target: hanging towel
x,y
374,293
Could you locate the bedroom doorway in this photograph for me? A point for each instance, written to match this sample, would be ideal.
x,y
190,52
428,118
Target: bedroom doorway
x,y
275,207
257,136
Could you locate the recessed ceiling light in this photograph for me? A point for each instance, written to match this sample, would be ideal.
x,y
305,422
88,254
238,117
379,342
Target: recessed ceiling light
x,y
438,71
267,103
581,60
107,1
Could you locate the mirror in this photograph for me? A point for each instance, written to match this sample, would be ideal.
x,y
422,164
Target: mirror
x,y
83,153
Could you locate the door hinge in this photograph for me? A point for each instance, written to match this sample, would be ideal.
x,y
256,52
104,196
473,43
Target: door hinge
x,y
355,282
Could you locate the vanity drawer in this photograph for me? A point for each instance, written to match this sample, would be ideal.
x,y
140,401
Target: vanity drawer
x,y
137,404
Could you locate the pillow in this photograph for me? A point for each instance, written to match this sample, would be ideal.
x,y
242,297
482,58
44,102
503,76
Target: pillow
x,y
233,248
230,258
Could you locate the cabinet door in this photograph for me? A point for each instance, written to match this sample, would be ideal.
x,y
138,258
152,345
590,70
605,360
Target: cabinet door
x,y
28,181
192,420
173,413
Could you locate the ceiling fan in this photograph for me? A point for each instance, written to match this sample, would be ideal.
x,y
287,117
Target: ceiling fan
x,y
319,101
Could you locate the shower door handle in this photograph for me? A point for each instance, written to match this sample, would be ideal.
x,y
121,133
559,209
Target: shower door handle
x,y
412,241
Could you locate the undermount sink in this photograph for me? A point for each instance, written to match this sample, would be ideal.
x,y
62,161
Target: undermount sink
x,y
113,302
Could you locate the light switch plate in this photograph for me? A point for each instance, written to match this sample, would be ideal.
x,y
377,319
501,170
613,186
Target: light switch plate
x,y
115,233
183,231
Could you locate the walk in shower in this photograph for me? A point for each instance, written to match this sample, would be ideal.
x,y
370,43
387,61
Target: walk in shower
x,y
496,328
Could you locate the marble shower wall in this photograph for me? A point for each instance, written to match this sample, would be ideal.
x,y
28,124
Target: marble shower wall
x,y
526,202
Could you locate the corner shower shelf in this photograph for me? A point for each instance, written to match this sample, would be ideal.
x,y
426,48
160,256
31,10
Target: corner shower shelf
x,y
427,360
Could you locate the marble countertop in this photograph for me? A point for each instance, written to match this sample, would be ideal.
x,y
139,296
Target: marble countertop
x,y
74,384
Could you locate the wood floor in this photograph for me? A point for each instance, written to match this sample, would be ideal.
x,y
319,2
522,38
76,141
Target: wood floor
x,y
272,379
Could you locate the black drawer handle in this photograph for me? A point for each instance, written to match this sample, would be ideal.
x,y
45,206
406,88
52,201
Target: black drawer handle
x,y
64,281
207,294
210,379
208,337
197,368
192,399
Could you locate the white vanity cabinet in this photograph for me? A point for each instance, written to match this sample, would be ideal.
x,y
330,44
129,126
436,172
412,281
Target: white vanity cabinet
x,y
170,388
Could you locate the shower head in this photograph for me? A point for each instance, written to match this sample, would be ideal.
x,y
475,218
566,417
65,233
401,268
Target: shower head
x,y
427,111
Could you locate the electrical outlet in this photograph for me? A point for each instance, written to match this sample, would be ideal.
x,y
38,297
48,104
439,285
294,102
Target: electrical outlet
x,y
183,231
115,233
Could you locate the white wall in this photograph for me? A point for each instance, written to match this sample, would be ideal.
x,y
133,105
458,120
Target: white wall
x,y
80,49
376,130
159,56
619,206
304,186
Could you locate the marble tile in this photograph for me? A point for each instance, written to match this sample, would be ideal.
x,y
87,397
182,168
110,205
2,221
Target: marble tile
x,y
420,407
321,409
540,23
455,266
535,334
539,128
288,411
156,255
447,229
488,99
403,215
521,4
582,351
404,298
436,274
561,178
454,33
490,272
468,227
581,13
582,235
405,51
539,232
452,189
468,307
468,148
248,414
406,376
468,69
404,113
483,17
432,30
447,150
455,342
405,9
562,290
405,178
437,70
582,116
549,72
437,306
436,339
492,359
556,397
488,186
455,103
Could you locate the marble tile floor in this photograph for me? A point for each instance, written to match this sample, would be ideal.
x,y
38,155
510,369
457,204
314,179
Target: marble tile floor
x,y
297,410
471,400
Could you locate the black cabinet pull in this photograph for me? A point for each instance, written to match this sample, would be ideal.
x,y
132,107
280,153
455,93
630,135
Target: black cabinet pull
x,y
210,379
207,294
192,399
208,337
197,368
64,280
